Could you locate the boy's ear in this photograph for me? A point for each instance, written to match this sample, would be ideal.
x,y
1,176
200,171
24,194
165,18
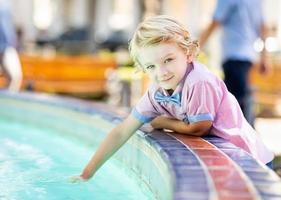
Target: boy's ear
x,y
189,58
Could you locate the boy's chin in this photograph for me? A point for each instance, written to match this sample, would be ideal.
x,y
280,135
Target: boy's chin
x,y
167,87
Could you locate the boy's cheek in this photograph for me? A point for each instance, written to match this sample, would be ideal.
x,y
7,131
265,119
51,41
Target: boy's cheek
x,y
152,78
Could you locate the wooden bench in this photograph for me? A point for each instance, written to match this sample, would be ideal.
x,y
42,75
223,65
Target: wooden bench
x,y
65,74
267,88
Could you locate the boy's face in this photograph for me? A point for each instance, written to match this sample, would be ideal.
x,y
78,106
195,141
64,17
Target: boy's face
x,y
164,63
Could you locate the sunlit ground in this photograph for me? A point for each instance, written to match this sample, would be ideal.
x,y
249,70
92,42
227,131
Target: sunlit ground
x,y
270,131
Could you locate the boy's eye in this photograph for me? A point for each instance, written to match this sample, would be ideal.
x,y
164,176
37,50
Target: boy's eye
x,y
150,67
168,60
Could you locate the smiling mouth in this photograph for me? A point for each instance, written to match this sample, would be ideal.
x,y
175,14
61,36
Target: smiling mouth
x,y
167,79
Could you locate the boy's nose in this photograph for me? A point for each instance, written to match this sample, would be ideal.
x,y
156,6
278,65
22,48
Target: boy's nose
x,y
162,70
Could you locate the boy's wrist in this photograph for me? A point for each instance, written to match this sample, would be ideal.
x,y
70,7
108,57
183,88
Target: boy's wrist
x,y
87,173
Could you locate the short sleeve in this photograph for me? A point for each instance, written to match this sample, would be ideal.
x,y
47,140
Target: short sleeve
x,y
145,111
203,102
223,10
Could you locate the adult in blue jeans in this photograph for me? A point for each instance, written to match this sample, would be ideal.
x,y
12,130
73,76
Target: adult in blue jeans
x,y
242,24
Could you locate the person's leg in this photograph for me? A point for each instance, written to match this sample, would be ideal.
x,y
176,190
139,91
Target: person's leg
x,y
236,79
4,72
12,69
270,164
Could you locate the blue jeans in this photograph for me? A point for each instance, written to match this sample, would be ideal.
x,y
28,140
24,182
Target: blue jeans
x,y
270,164
236,73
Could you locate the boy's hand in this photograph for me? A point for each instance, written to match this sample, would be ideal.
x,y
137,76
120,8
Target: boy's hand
x,y
159,122
85,176
77,179
147,128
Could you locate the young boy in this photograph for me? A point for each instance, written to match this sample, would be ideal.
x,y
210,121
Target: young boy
x,y
183,95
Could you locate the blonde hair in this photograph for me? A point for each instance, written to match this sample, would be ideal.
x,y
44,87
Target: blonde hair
x,y
159,29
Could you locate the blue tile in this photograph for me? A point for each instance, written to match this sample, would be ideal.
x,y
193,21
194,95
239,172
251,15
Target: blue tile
x,y
174,144
192,196
160,136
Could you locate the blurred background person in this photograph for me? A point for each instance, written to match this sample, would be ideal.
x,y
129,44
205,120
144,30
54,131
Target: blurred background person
x,y
242,24
9,59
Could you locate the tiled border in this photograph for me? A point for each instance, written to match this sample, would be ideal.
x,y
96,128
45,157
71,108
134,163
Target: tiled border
x,y
208,168
228,179
265,181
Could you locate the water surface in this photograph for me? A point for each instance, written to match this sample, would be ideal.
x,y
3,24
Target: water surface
x,y
36,163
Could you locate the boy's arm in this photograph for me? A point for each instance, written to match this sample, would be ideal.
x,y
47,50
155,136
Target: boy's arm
x,y
114,140
196,129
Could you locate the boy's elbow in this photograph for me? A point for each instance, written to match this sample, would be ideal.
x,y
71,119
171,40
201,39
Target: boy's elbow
x,y
202,133
201,128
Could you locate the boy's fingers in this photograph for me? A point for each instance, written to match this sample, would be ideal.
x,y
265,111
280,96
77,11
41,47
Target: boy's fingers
x,y
76,179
